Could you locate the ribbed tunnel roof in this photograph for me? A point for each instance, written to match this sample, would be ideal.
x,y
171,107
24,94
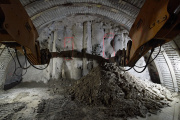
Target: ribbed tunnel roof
x,y
43,12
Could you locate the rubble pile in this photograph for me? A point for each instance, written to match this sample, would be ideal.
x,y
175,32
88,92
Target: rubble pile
x,y
119,94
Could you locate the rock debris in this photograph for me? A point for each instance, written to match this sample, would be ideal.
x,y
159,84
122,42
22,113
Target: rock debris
x,y
121,94
106,93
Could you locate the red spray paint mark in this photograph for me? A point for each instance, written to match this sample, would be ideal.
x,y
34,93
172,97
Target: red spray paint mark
x,y
69,40
111,36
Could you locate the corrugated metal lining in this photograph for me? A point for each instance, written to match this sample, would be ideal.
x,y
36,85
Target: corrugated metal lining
x,y
166,79
39,6
120,11
169,77
137,3
5,58
57,14
171,51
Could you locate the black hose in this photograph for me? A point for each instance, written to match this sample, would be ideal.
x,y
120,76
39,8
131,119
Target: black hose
x,y
14,73
151,60
19,61
146,63
30,61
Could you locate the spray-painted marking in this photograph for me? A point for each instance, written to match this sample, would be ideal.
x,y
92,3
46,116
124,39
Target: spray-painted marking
x,y
111,35
69,41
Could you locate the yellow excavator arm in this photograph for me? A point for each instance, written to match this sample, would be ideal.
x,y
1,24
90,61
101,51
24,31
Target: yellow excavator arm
x,y
17,29
158,22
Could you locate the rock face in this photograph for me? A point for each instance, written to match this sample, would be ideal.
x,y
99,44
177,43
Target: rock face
x,y
121,94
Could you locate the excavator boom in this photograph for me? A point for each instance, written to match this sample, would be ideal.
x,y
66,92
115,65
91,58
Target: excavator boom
x,y
158,22
17,29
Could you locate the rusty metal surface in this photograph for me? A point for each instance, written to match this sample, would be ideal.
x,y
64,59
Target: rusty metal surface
x,y
150,21
17,27
172,26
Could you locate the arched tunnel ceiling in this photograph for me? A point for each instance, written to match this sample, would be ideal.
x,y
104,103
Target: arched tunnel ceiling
x,y
43,12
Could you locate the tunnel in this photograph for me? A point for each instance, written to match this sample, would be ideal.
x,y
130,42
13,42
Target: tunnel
x,y
84,88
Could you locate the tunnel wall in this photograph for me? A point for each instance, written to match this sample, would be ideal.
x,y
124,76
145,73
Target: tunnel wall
x,y
5,58
76,33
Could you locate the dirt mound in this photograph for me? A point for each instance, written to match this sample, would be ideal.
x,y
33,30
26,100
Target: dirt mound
x,y
121,94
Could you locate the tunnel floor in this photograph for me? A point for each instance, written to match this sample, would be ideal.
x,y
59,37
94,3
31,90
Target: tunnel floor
x,y
76,100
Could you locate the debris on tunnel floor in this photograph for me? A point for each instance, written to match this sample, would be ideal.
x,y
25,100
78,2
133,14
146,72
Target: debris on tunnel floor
x,y
106,93
120,94
7,110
